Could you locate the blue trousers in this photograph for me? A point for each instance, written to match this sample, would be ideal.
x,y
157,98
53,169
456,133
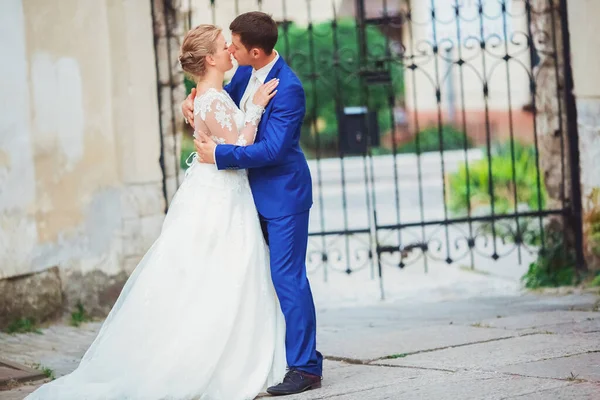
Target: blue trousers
x,y
288,239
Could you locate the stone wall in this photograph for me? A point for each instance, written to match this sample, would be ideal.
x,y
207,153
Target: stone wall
x,y
552,118
583,15
168,32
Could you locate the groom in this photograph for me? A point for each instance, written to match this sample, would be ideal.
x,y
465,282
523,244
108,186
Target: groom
x,y
281,186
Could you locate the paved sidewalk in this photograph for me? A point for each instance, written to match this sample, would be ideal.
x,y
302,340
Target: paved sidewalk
x,y
510,347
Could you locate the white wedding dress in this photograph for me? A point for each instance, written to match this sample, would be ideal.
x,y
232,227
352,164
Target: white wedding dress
x,y
199,317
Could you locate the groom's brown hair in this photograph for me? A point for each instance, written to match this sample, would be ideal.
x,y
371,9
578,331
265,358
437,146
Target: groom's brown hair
x,y
256,29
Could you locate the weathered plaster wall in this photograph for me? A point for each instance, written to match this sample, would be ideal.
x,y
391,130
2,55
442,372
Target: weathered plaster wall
x,y
80,181
585,42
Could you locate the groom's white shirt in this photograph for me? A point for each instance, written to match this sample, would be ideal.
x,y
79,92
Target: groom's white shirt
x,y
257,78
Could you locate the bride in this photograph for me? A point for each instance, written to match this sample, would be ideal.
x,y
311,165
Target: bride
x,y
199,317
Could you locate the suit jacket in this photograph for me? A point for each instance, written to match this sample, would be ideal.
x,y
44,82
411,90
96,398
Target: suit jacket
x,y
277,168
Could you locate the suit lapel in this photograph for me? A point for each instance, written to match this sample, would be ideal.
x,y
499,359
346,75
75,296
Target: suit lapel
x,y
242,81
275,70
272,74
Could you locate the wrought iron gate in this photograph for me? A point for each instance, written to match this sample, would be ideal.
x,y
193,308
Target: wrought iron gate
x,y
429,125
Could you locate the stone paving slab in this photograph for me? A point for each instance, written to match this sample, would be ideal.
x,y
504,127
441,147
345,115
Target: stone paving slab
x,y
18,393
59,348
356,383
11,372
408,315
341,378
579,391
583,366
434,328
588,326
371,344
545,320
501,353
360,382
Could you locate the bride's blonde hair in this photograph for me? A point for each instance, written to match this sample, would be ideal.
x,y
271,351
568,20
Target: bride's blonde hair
x,y
197,44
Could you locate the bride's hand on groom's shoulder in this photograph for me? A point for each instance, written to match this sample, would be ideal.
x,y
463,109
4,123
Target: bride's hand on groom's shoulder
x,y
187,108
265,93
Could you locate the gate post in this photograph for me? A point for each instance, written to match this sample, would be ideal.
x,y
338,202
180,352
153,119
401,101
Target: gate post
x,y
168,29
582,16
556,130
576,221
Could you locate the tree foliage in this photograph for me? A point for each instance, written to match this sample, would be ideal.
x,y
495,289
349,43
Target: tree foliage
x,y
326,58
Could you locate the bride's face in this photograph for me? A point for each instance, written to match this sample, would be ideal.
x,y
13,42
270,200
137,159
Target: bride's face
x,y
222,57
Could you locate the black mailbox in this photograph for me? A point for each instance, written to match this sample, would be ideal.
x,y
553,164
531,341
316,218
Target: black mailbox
x,y
358,130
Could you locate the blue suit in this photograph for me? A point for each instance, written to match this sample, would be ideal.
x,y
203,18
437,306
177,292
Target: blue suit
x,y
282,190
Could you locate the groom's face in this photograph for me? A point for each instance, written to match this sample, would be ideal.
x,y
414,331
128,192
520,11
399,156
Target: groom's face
x,y
239,51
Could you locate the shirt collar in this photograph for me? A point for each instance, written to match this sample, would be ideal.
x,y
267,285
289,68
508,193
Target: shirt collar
x,y
262,73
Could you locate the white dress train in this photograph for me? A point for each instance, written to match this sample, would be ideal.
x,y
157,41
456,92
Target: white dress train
x,y
199,317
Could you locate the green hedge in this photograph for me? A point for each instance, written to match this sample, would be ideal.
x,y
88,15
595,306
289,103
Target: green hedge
x,y
298,45
524,182
429,140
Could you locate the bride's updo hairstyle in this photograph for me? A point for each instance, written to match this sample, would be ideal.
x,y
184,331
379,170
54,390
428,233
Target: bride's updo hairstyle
x,y
197,44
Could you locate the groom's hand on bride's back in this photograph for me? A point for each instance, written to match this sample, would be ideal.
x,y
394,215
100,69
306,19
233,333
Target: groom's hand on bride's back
x,y
187,108
205,148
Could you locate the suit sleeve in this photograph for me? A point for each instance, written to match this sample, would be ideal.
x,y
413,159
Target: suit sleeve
x,y
285,119
228,88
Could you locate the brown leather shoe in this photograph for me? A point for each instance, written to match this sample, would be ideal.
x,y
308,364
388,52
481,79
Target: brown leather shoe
x,y
295,381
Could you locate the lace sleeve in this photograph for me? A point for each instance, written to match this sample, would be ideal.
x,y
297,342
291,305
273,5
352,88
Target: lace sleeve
x,y
219,116
251,120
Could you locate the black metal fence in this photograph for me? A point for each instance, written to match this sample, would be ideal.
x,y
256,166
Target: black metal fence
x,y
424,126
